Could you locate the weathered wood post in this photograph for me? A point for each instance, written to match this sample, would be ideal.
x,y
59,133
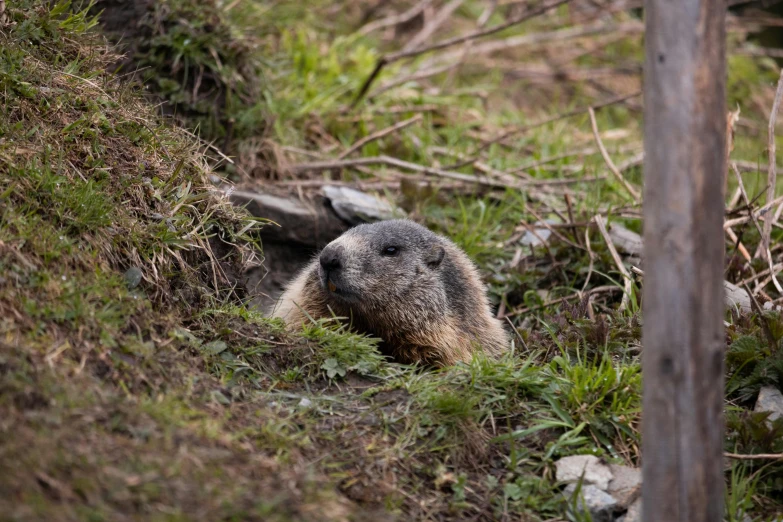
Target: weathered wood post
x,y
685,161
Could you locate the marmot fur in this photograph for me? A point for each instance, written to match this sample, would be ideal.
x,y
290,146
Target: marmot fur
x,y
397,280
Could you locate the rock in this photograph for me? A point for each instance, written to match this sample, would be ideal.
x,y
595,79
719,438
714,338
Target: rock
x,y
133,277
634,513
736,297
305,403
600,504
626,241
626,486
770,399
570,469
356,207
541,235
306,222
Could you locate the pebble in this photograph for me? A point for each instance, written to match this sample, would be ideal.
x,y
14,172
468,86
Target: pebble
x,y
626,486
599,503
133,277
770,399
570,469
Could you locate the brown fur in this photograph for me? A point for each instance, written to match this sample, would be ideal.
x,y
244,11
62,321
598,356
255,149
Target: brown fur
x,y
425,320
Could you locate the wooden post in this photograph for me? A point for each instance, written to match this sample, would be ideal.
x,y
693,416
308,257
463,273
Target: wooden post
x,y
684,167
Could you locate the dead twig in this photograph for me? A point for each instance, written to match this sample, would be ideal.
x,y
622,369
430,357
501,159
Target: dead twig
x,y
405,165
552,302
771,172
739,246
599,220
609,163
554,231
378,135
768,222
757,456
592,258
395,57
757,214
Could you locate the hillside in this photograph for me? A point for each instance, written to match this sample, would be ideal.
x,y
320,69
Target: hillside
x,y
137,380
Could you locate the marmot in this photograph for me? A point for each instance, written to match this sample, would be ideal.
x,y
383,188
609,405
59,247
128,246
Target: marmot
x,y
397,280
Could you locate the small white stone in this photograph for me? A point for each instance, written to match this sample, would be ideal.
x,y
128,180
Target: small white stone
x,y
600,504
626,485
305,403
770,399
570,469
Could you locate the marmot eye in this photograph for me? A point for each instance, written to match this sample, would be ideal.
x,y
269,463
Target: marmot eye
x,y
390,251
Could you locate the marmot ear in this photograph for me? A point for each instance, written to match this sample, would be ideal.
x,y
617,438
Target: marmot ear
x,y
435,256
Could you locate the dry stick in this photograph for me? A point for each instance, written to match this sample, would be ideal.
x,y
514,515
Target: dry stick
x,y
542,222
742,250
378,135
592,258
524,128
432,171
759,213
395,57
768,254
599,220
749,166
433,26
757,456
552,302
410,14
612,167
771,172
760,274
387,160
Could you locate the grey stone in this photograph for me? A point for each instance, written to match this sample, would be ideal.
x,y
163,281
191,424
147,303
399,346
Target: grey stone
x,y
634,513
600,504
133,277
626,241
305,403
626,486
770,399
570,469
356,207
541,235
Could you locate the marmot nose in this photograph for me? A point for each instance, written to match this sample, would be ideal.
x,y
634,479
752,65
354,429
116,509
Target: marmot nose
x,y
331,258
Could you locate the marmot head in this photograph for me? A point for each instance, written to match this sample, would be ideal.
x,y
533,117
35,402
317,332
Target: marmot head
x,y
374,268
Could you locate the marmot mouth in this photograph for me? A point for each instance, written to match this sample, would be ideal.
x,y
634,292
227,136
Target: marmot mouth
x,y
335,290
